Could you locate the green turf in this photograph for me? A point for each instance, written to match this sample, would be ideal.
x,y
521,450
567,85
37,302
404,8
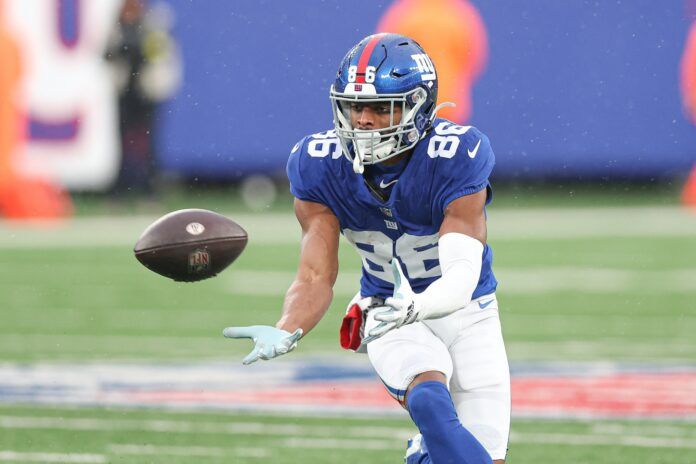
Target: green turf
x,y
134,436
97,303
509,194
70,303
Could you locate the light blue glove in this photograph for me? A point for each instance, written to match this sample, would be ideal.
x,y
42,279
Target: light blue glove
x,y
269,342
398,310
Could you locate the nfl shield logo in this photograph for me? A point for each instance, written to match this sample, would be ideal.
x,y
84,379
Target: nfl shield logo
x,y
199,261
358,87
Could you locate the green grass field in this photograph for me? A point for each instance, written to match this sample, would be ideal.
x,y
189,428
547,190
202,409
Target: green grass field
x,y
577,284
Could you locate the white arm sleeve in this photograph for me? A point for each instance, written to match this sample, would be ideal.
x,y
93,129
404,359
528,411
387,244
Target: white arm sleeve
x,y
460,263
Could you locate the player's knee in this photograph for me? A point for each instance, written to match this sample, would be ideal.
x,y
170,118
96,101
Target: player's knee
x,y
426,399
429,376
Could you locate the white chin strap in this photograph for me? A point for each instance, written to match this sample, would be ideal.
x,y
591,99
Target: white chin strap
x,y
365,148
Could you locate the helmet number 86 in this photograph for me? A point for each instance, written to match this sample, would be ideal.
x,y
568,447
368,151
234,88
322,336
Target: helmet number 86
x,y
369,74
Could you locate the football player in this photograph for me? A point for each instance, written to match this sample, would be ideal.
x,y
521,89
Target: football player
x,y
408,190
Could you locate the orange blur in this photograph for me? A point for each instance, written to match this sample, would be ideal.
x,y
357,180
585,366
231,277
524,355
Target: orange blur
x,y
688,90
10,127
454,36
21,196
688,75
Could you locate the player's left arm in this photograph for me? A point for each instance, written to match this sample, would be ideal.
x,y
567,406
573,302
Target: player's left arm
x,y
460,248
462,238
461,244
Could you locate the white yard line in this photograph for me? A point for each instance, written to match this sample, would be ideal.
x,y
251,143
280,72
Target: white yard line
x,y
18,456
342,443
527,281
660,350
595,440
282,228
68,346
195,427
653,430
295,436
202,451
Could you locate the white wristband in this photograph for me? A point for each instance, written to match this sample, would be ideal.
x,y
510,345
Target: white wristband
x,y
460,264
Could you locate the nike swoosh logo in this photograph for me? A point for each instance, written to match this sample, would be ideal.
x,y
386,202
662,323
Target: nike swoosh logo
x,y
472,154
484,304
382,185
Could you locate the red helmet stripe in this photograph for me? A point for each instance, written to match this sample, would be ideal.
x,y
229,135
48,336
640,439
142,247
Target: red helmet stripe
x,y
365,57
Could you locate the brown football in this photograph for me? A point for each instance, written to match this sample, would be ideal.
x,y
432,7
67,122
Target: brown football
x,y
190,244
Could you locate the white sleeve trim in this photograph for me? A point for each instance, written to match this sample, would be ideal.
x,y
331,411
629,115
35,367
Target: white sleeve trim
x,y
460,262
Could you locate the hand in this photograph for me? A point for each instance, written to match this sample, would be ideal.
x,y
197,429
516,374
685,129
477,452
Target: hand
x,y
269,342
398,310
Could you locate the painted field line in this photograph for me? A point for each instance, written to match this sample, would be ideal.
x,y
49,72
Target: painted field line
x,y
527,281
18,456
308,436
16,342
193,427
648,429
342,443
202,451
282,228
654,349
538,438
595,440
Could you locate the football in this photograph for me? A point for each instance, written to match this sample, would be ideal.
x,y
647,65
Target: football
x,y
190,244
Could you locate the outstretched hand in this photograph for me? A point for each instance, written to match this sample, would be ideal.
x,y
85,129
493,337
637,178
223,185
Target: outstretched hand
x,y
269,342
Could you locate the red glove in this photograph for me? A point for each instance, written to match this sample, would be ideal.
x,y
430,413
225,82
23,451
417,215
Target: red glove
x,y
351,328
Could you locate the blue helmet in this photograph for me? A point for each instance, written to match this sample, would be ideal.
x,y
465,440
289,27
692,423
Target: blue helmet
x,y
384,68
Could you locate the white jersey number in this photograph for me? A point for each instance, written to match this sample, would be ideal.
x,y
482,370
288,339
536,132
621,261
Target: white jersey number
x,y
418,254
324,143
446,140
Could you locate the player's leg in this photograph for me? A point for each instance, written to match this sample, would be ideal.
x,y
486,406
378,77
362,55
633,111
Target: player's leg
x,y
415,366
480,384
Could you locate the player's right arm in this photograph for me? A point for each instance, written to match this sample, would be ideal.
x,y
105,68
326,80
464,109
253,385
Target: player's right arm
x,y
310,294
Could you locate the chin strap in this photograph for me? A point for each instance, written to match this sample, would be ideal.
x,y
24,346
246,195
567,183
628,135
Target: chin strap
x,y
358,166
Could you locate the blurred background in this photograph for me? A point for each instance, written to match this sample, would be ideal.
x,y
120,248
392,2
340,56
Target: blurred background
x,y
114,112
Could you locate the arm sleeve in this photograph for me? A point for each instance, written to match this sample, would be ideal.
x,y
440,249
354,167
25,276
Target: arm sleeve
x,y
461,258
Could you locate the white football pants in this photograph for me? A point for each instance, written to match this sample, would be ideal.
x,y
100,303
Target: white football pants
x,y
467,347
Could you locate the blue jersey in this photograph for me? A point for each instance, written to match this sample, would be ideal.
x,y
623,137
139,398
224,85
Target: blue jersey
x,y
449,162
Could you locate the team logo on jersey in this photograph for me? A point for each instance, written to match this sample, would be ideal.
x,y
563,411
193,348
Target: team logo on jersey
x,y
198,261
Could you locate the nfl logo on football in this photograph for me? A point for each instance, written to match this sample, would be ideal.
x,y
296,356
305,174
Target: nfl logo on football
x,y
199,261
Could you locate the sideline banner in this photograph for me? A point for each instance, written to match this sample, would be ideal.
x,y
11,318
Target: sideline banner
x,y
576,89
71,102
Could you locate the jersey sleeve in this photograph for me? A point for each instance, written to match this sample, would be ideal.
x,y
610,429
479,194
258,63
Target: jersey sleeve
x,y
466,172
301,176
